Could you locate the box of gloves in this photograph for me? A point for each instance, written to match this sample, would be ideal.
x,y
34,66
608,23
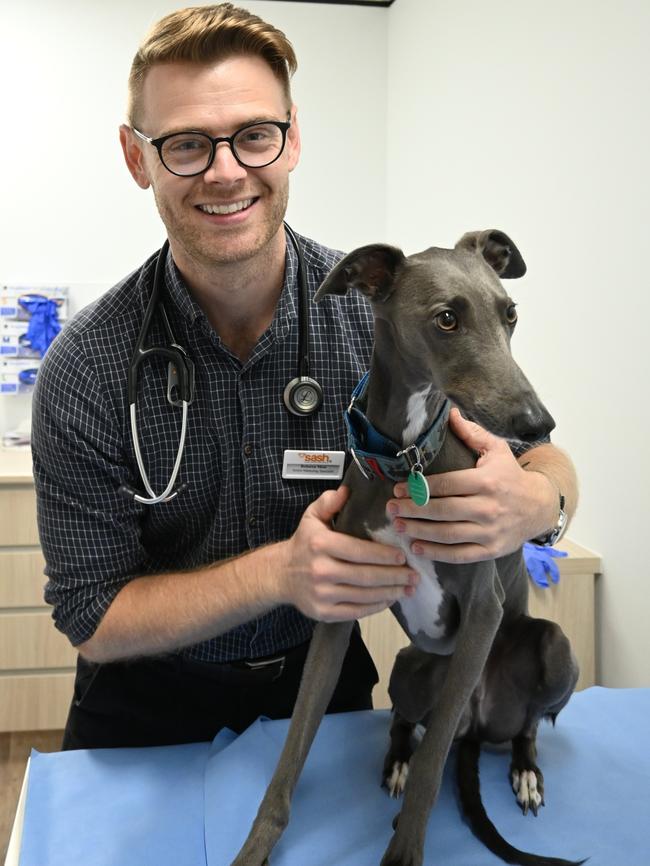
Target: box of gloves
x,y
15,301
30,319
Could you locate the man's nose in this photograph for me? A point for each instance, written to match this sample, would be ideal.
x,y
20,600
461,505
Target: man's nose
x,y
224,168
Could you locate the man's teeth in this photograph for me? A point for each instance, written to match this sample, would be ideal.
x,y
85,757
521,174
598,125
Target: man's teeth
x,y
226,208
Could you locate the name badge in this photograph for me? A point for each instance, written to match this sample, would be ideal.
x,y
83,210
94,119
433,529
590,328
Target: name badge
x,y
313,464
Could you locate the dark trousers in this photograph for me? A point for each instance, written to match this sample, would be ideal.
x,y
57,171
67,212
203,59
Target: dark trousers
x,y
168,700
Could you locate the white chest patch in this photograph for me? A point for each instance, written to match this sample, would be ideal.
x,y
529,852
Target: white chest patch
x,y
416,416
420,610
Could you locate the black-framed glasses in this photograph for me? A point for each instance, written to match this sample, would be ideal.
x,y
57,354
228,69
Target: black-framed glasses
x,y
186,154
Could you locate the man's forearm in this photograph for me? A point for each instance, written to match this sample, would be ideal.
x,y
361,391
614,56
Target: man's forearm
x,y
164,612
557,468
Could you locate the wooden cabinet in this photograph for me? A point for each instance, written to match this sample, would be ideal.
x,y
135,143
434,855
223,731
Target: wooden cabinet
x,y
569,603
36,661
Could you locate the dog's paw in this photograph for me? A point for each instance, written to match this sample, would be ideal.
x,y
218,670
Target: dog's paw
x,y
395,778
528,786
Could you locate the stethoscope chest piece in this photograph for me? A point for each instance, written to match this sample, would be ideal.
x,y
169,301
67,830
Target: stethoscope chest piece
x,y
303,396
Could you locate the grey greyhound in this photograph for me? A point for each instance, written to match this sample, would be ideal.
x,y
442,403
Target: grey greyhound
x,y
479,668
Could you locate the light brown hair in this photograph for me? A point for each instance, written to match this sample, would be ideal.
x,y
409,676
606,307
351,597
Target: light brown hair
x,y
204,34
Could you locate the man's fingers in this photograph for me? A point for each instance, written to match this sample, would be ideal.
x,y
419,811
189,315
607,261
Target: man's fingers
x,y
360,550
346,612
457,554
461,482
442,532
449,509
381,577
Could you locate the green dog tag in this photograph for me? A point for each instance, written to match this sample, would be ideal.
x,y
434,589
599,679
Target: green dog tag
x,y
418,488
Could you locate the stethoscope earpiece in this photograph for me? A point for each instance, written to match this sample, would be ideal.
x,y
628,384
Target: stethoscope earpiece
x,y
303,395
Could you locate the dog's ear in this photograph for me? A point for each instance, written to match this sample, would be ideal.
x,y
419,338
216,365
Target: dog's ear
x,y
370,269
498,251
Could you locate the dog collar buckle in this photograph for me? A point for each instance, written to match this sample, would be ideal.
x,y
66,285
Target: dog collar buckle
x,y
359,465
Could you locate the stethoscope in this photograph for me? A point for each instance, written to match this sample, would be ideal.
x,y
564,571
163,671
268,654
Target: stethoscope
x,y
302,396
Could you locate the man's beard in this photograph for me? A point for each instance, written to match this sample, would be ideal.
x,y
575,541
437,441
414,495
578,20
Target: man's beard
x,y
209,248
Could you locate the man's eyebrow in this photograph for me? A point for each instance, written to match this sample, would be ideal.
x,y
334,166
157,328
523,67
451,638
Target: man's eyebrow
x,y
175,130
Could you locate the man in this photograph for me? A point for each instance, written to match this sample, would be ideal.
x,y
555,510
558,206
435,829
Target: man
x,y
195,613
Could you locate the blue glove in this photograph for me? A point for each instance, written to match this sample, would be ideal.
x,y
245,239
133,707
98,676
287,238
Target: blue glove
x,y
43,323
540,563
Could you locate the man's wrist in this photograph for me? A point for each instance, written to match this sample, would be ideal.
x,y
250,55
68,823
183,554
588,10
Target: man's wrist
x,y
555,524
546,516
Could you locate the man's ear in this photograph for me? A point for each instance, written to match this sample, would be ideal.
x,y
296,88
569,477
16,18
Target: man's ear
x,y
370,269
293,139
133,156
498,251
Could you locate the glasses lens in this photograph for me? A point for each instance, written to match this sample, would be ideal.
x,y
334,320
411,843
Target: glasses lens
x,y
258,145
187,152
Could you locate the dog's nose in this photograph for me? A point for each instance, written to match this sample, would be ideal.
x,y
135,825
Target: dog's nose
x,y
531,425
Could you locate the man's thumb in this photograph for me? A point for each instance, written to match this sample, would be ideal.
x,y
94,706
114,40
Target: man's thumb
x,y
330,503
474,436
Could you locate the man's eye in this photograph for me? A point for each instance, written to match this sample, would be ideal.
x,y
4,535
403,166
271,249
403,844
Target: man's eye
x,y
446,321
254,135
187,145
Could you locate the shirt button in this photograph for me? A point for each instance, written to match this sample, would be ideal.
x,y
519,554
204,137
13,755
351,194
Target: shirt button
x,y
248,449
252,521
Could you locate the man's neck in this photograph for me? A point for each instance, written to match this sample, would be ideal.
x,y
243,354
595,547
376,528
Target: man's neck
x,y
239,298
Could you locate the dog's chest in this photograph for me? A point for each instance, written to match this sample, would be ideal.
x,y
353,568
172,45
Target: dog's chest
x,y
424,616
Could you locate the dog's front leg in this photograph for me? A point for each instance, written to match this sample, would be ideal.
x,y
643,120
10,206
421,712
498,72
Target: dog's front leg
x,y
481,613
327,650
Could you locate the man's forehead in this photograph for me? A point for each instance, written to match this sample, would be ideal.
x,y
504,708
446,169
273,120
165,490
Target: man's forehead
x,y
197,95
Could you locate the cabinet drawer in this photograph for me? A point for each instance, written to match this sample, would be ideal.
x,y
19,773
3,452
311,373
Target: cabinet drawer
x,y
21,578
30,640
35,702
17,515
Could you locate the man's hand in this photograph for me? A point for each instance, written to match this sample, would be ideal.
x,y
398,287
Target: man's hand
x,y
330,576
479,513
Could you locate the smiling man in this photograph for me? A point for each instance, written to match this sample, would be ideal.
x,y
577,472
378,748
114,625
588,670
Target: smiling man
x,y
192,609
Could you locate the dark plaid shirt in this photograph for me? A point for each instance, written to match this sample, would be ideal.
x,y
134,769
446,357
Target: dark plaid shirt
x,y
94,539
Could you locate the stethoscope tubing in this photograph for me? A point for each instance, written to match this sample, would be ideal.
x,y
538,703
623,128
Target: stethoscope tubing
x,y
176,355
167,493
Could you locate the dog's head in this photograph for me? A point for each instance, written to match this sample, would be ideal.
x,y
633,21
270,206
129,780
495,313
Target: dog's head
x,y
447,316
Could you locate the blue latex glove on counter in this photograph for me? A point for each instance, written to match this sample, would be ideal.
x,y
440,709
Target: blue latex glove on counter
x,y
540,562
43,323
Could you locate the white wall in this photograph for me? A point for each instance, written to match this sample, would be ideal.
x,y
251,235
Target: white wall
x,y
533,118
71,213
528,117
76,215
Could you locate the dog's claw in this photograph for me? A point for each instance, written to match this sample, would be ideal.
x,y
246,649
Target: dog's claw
x,y
528,787
396,781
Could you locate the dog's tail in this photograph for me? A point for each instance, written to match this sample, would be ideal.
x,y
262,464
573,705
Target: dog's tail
x,y
469,787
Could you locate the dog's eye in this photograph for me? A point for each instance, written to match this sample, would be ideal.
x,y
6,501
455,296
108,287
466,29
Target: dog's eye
x,y
511,314
446,321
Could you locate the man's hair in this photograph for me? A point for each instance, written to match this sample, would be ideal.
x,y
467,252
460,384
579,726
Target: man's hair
x,y
205,34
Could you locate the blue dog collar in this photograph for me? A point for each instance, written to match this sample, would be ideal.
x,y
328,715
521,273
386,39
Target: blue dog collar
x,y
380,457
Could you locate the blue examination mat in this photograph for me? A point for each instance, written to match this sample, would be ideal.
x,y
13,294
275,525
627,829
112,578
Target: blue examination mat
x,y
194,804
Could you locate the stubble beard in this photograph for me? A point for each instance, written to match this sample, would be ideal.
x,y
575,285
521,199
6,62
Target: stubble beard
x,y
208,248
